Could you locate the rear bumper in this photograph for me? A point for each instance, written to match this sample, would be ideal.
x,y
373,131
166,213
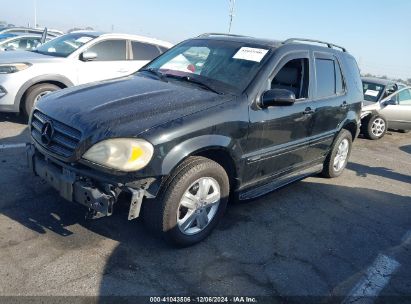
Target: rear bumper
x,y
98,197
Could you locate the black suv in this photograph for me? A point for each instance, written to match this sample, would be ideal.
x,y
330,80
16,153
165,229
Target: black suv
x,y
216,116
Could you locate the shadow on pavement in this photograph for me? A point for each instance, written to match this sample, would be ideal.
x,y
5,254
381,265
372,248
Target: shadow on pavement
x,y
310,238
406,149
362,170
307,239
13,117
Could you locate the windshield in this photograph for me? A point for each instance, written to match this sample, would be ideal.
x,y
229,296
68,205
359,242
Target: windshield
x,y
225,66
64,45
372,91
6,36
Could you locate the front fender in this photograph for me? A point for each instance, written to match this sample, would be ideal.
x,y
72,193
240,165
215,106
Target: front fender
x,y
192,146
38,79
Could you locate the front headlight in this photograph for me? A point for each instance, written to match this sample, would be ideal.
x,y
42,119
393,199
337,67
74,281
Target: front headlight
x,y
125,154
9,68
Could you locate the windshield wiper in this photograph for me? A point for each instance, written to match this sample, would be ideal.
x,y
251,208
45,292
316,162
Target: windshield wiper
x,y
196,81
156,72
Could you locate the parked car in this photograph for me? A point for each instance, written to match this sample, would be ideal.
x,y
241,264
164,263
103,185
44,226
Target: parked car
x,y
245,116
13,42
376,89
393,111
28,30
69,60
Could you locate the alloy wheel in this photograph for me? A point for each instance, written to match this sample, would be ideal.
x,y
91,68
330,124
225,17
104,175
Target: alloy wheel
x,y
342,154
198,205
378,127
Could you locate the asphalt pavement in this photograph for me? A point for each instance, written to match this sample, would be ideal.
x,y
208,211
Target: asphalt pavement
x,y
342,237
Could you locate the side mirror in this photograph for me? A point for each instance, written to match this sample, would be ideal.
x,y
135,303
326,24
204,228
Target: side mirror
x,y
277,97
10,48
390,102
88,56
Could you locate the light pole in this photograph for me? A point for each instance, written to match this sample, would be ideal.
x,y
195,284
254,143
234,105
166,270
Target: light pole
x,y
231,13
35,13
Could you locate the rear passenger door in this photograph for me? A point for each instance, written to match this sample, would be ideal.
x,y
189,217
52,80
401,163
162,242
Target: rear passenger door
x,y
330,104
111,61
142,53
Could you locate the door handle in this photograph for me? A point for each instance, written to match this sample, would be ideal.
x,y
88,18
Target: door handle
x,y
344,105
123,71
308,111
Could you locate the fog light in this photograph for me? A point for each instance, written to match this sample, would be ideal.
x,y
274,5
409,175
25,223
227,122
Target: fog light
x,y
3,92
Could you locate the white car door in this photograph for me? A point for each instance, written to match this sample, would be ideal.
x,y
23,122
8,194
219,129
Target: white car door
x,y
142,53
398,110
110,62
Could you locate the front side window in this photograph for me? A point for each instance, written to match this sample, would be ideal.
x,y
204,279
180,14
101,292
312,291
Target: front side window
x,y
293,76
144,51
325,72
109,50
64,45
24,43
228,65
404,97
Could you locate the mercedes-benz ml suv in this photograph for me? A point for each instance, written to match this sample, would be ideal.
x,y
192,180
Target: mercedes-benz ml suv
x,y
216,117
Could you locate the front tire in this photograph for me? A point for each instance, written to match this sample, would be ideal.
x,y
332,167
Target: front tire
x,y
375,127
191,203
337,159
34,94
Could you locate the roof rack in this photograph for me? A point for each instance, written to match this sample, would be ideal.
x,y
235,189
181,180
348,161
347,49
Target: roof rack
x,y
330,45
219,34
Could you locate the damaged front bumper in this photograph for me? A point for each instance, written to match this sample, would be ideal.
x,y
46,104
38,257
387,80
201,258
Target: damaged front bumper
x,y
98,196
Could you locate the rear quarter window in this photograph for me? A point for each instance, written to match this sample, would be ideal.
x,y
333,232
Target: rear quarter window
x,y
353,72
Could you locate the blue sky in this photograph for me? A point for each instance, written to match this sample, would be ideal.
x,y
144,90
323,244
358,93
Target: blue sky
x,y
376,32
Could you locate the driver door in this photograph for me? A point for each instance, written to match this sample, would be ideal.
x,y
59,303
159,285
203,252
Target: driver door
x,y
398,114
279,135
111,61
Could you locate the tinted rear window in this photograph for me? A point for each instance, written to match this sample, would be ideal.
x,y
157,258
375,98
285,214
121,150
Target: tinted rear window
x,y
144,51
110,50
325,77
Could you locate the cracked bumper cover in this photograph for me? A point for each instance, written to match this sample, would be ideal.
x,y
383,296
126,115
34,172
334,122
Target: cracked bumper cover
x,y
74,187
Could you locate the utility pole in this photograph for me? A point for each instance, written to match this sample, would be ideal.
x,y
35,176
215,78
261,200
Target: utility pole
x,y
231,14
35,13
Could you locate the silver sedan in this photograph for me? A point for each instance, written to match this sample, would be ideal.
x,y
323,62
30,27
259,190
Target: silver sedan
x,y
392,112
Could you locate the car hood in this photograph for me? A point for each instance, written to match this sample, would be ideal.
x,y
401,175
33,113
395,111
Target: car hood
x,y
125,107
370,106
26,56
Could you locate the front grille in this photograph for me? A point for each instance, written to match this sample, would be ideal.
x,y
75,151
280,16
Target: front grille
x,y
64,140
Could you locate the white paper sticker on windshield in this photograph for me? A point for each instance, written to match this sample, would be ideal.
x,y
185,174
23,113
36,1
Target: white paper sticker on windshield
x,y
371,93
251,54
84,39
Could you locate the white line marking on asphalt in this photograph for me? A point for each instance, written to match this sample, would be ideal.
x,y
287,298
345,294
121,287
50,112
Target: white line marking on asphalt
x,y
12,146
376,277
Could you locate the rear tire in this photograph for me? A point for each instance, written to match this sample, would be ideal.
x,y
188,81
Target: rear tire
x,y
337,159
185,212
375,127
34,94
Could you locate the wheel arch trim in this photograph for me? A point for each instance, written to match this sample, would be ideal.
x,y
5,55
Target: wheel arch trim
x,y
52,78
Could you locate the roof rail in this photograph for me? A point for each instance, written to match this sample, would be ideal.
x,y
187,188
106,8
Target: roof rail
x,y
330,45
219,34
